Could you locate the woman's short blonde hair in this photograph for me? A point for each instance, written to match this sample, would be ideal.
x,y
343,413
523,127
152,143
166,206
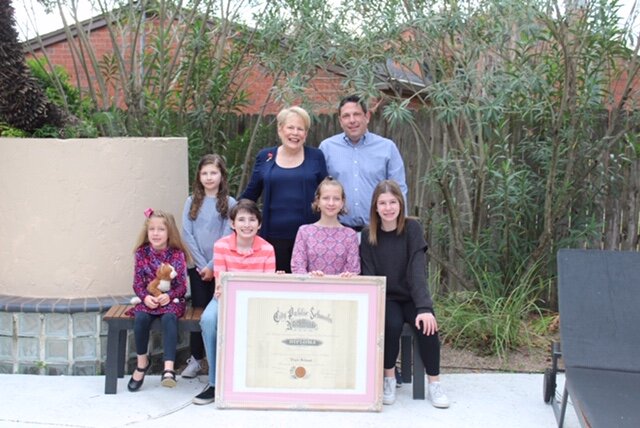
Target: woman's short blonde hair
x,y
299,111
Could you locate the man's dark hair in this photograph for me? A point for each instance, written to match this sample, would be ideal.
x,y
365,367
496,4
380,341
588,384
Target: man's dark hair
x,y
352,99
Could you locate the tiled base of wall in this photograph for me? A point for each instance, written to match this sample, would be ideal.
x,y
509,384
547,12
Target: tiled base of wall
x,y
62,343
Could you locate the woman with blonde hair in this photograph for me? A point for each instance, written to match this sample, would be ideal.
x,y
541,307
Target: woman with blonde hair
x,y
286,177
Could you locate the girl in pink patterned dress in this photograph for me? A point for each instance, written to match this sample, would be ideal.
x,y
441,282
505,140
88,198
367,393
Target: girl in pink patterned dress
x,y
326,247
159,242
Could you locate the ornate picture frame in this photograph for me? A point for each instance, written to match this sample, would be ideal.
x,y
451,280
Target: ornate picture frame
x,y
299,342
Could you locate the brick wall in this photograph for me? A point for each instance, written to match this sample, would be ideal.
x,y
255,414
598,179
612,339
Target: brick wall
x,y
324,92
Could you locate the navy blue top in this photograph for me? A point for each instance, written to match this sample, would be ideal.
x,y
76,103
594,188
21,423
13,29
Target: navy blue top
x,y
287,193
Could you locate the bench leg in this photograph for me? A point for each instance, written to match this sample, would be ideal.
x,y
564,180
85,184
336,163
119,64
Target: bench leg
x,y
405,358
418,374
411,363
111,365
122,352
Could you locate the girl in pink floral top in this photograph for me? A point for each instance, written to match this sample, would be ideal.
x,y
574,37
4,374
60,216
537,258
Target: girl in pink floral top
x,y
326,247
159,242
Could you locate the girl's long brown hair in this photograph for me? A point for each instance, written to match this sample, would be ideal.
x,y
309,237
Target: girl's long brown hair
x,y
385,186
222,204
173,234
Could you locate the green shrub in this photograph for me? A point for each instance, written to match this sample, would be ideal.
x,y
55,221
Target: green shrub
x,y
491,321
7,131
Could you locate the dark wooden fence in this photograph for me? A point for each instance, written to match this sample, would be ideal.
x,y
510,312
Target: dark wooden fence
x,y
616,207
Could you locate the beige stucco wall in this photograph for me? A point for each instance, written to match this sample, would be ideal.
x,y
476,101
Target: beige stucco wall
x,y
70,210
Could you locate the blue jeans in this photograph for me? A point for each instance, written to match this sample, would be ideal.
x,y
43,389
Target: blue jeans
x,y
209,326
142,327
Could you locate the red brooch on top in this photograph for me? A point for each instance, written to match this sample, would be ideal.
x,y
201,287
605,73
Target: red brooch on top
x,y
269,156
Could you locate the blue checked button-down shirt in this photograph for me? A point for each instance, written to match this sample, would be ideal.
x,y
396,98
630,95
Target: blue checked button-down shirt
x,y
360,167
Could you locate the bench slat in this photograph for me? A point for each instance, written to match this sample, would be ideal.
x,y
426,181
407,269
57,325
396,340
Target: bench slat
x,y
192,314
117,311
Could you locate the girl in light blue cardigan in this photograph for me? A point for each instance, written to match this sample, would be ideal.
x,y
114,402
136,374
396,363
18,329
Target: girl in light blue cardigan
x,y
204,221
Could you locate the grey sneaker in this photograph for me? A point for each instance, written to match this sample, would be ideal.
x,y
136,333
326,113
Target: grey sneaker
x,y
205,397
389,390
192,369
437,396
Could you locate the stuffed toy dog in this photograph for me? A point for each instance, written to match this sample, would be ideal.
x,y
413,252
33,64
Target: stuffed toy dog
x,y
161,283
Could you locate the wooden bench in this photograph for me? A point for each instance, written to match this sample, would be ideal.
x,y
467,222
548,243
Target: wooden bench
x,y
119,323
411,364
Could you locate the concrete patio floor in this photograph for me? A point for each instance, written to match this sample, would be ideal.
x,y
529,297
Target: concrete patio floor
x,y
477,400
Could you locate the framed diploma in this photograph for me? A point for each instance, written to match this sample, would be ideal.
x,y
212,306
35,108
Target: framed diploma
x,y
300,342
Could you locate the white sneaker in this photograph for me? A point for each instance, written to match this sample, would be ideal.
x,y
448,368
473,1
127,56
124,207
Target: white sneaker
x,y
437,396
389,390
192,369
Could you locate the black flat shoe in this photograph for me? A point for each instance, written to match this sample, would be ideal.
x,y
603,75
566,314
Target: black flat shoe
x,y
168,378
135,385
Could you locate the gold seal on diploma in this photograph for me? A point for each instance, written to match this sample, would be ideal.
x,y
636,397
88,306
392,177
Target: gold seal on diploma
x,y
300,372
